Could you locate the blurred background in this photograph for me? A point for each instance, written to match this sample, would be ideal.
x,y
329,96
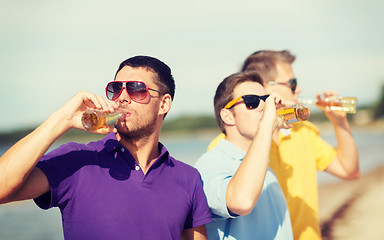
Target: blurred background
x,y
49,50
52,49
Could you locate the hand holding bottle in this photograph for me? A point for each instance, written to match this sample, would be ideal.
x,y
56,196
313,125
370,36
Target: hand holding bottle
x,y
278,103
72,111
334,106
330,101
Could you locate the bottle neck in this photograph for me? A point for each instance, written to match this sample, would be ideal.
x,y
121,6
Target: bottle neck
x,y
308,101
334,103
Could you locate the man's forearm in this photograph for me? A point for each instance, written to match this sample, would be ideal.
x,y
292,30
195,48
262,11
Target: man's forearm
x,y
347,153
246,185
18,162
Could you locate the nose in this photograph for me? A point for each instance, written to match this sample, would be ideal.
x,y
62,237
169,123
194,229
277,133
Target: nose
x,y
124,97
298,89
261,104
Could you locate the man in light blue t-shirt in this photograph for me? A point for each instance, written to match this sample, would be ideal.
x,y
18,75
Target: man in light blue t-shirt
x,y
243,194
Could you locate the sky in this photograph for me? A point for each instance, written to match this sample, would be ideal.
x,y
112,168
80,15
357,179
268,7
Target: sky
x,y
49,50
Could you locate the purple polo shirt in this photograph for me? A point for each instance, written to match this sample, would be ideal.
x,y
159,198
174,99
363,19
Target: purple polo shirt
x,y
103,194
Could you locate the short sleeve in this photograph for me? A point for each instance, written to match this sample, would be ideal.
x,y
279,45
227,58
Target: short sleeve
x,y
199,214
216,176
324,152
60,166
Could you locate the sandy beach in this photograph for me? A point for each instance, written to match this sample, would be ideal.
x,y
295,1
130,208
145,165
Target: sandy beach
x,y
353,209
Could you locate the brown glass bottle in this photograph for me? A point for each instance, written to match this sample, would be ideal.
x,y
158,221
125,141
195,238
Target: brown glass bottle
x,y
93,119
294,113
334,103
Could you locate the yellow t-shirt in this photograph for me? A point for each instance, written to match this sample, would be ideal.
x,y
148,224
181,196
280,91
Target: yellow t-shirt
x,y
215,141
295,162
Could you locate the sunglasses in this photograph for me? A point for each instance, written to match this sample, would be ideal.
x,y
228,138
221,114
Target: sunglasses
x,y
292,84
136,90
250,101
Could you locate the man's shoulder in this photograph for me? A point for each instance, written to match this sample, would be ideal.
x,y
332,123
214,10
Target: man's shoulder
x,y
181,164
306,126
183,174
68,147
215,157
210,154
75,148
309,124
183,168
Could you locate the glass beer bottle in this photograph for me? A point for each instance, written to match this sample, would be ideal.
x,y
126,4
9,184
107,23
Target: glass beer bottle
x,y
294,113
334,103
93,119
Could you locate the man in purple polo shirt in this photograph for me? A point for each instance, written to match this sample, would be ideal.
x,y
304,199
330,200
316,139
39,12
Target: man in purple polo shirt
x,y
125,186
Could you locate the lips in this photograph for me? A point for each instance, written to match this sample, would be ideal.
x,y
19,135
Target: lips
x,y
124,110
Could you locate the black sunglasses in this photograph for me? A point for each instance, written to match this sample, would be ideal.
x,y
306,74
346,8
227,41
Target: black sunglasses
x,y
250,101
292,84
136,90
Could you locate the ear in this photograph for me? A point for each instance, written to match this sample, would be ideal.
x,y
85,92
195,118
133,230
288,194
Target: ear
x,y
227,116
165,104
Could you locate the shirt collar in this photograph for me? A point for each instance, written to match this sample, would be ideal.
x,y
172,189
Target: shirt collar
x,y
231,150
164,154
111,143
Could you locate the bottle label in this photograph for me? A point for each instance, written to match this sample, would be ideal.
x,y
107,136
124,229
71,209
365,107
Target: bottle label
x,y
288,115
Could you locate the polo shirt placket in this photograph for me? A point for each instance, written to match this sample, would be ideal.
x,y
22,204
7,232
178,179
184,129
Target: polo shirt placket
x,y
137,173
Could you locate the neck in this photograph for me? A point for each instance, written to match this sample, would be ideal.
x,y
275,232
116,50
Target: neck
x,y
238,140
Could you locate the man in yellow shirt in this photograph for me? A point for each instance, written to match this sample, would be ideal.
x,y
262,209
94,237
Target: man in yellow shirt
x,y
297,153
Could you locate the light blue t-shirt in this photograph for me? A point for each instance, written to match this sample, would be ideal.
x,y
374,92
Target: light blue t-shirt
x,y
269,218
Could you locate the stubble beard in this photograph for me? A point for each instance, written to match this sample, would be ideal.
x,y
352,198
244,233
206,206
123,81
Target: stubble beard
x,y
137,130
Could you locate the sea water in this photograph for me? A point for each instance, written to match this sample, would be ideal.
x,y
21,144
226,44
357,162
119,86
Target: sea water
x,y
25,221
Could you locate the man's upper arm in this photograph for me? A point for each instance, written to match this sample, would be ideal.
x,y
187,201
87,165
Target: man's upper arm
x,y
34,186
216,176
196,233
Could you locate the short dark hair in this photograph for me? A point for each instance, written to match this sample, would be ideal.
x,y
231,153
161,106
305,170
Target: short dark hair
x,y
224,92
264,62
164,79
